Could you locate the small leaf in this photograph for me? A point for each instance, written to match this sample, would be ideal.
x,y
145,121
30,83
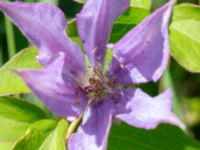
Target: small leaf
x,y
72,32
15,117
185,36
5,146
43,135
10,83
164,137
130,18
146,4
55,2
81,1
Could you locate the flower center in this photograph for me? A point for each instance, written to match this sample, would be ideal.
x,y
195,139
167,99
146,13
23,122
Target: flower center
x,y
99,86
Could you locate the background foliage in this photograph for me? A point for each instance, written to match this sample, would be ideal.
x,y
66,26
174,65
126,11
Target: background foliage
x,y
29,119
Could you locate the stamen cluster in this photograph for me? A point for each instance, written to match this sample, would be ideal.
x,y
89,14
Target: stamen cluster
x,y
99,86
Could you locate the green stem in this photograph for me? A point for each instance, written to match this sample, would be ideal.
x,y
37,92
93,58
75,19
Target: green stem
x,y
166,82
10,37
1,56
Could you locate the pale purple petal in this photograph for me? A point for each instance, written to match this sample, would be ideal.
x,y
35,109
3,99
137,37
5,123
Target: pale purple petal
x,y
95,24
93,133
142,54
56,88
44,25
140,110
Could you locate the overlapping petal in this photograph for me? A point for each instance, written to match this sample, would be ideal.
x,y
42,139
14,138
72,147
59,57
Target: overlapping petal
x,y
93,133
140,110
95,24
142,54
56,87
44,25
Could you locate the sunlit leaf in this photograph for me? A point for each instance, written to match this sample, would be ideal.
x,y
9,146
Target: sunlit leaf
x,y
15,117
49,1
146,4
80,1
185,36
43,135
10,83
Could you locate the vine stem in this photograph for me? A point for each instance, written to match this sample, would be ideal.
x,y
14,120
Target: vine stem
x,y
10,37
165,83
1,56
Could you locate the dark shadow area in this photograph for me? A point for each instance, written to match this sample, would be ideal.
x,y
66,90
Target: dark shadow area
x,y
70,8
196,131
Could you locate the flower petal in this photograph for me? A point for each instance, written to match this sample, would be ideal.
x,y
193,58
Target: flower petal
x,y
93,133
95,24
143,111
44,25
56,88
142,54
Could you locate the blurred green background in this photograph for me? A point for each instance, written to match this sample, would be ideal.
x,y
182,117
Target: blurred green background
x,y
187,85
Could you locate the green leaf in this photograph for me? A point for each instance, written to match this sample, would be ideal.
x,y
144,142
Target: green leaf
x,y
49,1
164,137
10,83
130,18
185,36
146,4
81,1
6,146
15,117
188,1
136,3
43,135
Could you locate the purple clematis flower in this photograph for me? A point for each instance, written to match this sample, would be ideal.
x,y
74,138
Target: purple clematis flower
x,y
67,88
